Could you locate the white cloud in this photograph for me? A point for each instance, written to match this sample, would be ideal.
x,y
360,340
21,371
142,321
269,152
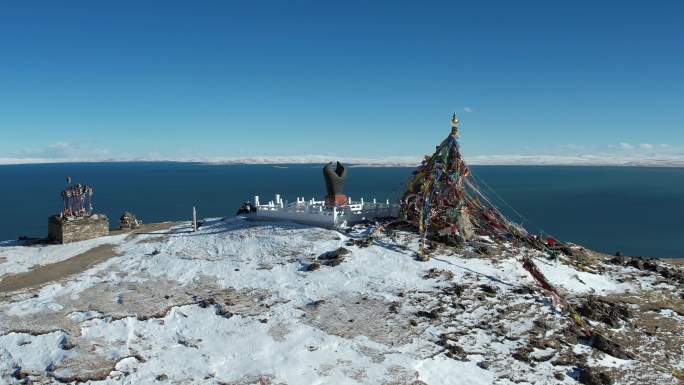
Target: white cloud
x,y
64,151
574,154
467,109
579,160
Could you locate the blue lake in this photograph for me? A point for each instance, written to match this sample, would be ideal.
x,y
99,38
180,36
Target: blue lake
x,y
637,210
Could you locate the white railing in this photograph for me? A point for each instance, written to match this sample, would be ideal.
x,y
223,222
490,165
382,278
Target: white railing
x,y
320,214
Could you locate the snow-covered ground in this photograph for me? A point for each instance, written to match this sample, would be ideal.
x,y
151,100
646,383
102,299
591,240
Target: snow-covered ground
x,y
251,303
24,258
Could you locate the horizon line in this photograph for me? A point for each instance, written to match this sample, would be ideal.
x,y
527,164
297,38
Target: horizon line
x,y
388,161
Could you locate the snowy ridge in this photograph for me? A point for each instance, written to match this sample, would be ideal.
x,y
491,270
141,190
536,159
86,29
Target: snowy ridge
x,y
245,303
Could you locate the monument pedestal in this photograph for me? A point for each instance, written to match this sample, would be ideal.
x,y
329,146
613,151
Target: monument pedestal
x,y
336,200
73,229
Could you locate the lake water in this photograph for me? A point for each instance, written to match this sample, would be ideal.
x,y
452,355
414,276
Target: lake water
x,y
637,210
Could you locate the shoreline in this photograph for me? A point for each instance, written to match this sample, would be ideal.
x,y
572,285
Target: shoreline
x,y
645,163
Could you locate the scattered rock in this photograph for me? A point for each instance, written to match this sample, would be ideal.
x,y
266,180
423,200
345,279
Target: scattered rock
x,y
609,347
453,350
485,248
337,253
636,263
317,303
335,257
543,358
620,260
600,310
489,289
18,373
522,354
222,310
66,344
652,264
162,377
454,289
188,342
590,376
564,360
523,290
365,242
313,266
205,303
570,334
437,273
484,364
432,314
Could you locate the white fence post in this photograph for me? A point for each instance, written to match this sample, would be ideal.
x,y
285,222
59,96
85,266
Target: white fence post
x,y
194,219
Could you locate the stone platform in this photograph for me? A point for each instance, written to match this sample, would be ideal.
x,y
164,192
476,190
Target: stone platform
x,y
72,229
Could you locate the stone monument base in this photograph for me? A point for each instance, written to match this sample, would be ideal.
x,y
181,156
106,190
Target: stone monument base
x,y
336,200
72,229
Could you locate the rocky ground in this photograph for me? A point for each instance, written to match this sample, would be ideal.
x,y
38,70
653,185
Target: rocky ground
x,y
277,303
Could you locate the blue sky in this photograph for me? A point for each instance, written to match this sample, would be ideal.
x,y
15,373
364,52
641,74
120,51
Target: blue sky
x,y
355,78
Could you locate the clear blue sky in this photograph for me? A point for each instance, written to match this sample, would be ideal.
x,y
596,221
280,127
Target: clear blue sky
x,y
219,78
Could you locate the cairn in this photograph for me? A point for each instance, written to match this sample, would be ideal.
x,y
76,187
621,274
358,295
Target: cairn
x,y
128,220
76,221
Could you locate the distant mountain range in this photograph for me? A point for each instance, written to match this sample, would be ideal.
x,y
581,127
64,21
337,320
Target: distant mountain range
x,y
390,161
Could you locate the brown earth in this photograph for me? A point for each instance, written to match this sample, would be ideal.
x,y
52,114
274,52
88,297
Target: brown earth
x,y
146,228
55,271
74,265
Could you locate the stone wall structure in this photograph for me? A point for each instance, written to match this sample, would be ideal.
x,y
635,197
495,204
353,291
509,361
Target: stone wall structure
x,y
71,229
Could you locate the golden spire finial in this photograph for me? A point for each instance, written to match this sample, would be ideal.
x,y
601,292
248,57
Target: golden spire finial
x,y
454,120
454,125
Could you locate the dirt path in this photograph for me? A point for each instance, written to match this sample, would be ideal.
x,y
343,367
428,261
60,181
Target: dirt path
x,y
74,265
58,270
146,228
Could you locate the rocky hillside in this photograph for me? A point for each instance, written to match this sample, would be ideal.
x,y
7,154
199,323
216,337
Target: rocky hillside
x,y
277,303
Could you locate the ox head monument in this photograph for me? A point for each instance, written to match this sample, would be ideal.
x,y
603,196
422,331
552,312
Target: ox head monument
x,y
335,175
